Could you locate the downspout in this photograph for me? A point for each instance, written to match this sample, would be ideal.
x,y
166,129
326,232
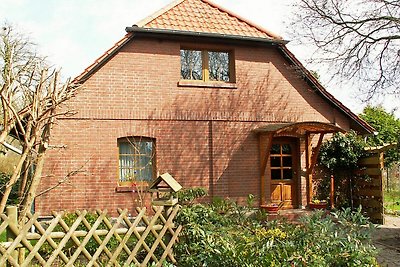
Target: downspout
x,y
211,158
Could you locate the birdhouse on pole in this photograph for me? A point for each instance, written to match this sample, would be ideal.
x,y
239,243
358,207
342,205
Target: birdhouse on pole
x,y
164,186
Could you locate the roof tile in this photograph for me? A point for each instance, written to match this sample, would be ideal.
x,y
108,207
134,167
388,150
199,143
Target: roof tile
x,y
203,16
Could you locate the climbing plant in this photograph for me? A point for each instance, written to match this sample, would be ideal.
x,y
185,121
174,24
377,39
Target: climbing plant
x,y
340,156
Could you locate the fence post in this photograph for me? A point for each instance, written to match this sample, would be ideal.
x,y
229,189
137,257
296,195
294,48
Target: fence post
x,y
12,214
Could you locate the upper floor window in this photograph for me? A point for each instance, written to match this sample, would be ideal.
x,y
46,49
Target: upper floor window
x,y
206,65
136,159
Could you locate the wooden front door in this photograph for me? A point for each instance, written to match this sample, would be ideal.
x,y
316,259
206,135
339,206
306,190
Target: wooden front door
x,y
283,161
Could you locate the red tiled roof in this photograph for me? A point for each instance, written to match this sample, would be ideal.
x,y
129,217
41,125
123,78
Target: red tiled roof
x,y
203,16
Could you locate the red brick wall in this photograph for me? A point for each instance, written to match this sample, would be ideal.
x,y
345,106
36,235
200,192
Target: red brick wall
x,y
204,136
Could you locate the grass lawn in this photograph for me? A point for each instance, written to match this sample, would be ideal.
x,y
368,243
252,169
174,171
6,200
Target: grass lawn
x,y
392,200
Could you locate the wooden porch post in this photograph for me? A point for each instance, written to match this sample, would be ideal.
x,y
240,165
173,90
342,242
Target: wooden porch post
x,y
311,160
264,155
332,195
308,164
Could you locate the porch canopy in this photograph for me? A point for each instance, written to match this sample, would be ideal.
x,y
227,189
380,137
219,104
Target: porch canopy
x,y
295,129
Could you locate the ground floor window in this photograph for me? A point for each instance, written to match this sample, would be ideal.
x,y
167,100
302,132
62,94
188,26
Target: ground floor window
x,y
136,159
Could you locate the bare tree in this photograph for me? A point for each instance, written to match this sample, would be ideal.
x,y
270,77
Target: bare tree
x,y
31,96
359,39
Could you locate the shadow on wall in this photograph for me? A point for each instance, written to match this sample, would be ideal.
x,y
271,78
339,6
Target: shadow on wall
x,y
204,136
222,154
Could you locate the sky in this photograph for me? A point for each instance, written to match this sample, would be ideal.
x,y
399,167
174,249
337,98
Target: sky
x,y
74,33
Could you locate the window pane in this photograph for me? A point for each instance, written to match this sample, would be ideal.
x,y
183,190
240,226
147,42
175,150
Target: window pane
x,y
148,148
276,174
218,63
287,174
125,148
286,149
191,65
287,161
136,160
275,161
148,173
275,149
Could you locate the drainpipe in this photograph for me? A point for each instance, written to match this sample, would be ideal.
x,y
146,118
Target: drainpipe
x,y
211,158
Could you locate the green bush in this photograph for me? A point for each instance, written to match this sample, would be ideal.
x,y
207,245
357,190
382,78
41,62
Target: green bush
x,y
339,156
187,196
212,239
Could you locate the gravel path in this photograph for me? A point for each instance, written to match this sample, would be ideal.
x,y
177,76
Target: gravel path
x,y
387,241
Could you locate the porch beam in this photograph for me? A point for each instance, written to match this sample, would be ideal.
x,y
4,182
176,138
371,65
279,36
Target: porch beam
x,y
264,156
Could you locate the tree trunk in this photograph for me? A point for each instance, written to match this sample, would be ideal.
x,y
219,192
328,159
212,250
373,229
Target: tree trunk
x,y
30,196
12,180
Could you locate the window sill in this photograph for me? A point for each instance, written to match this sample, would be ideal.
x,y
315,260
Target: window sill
x,y
124,188
129,187
192,83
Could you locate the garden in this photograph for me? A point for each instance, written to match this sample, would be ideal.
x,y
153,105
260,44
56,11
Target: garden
x,y
392,202
225,234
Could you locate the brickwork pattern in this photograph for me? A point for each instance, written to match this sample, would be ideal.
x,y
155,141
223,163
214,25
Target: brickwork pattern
x,y
204,136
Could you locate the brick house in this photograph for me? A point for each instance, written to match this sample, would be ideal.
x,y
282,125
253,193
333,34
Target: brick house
x,y
201,93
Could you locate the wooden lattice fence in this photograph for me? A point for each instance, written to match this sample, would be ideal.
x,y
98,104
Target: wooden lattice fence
x,y
123,241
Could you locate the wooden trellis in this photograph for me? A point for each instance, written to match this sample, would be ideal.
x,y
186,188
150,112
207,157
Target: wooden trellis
x,y
139,241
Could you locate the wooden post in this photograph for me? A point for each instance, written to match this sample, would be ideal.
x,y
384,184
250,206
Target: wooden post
x,y
262,172
264,157
308,166
12,214
332,194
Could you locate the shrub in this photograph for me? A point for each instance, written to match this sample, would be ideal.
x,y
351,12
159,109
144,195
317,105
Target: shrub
x,y
340,156
187,196
212,239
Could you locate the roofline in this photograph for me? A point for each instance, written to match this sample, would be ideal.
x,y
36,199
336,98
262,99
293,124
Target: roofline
x,y
137,29
100,61
316,84
244,20
12,148
158,13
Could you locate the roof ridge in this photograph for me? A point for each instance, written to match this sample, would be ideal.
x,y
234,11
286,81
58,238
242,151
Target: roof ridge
x,y
233,14
158,13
